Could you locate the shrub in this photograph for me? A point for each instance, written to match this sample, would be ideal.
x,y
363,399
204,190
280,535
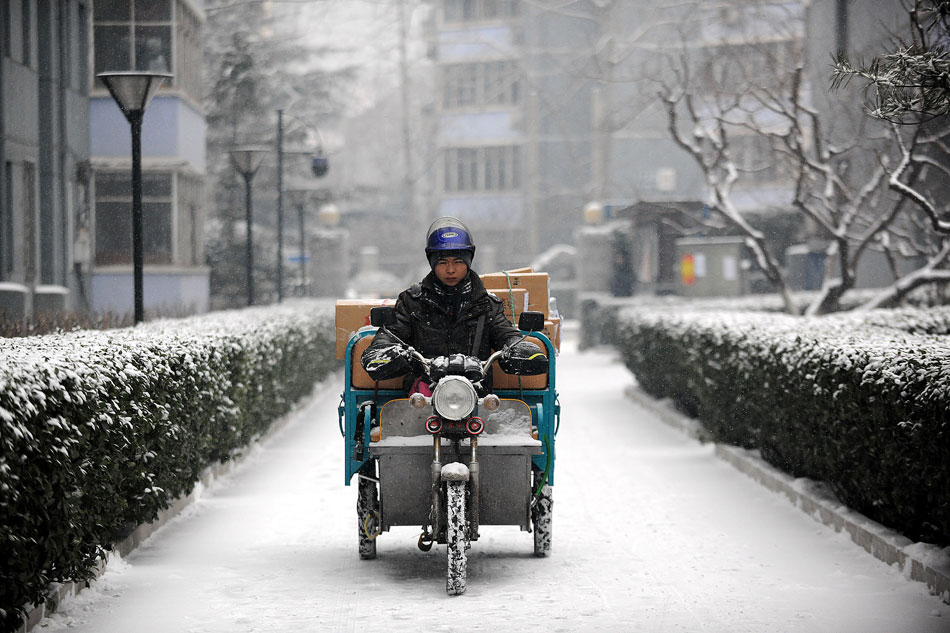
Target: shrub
x,y
858,400
101,430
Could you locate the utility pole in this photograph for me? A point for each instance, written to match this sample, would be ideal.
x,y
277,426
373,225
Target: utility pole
x,y
603,106
409,188
280,206
532,167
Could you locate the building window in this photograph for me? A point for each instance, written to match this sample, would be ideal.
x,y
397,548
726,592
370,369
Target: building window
x,y
114,218
7,28
189,61
29,220
747,65
756,159
480,84
190,195
482,168
150,35
83,57
27,24
478,10
6,223
75,65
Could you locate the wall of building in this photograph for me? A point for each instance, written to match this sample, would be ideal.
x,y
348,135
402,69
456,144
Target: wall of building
x,y
478,139
44,142
168,291
172,130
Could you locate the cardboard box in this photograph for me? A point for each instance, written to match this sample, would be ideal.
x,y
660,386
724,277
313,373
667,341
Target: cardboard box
x,y
535,283
552,330
516,298
351,315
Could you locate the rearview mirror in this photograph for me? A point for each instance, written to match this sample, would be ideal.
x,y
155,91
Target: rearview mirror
x,y
531,321
381,316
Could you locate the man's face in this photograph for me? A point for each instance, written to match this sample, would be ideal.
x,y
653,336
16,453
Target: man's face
x,y
450,270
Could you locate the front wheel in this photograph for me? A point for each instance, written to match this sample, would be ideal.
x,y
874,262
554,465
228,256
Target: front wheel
x,y
455,537
367,512
542,518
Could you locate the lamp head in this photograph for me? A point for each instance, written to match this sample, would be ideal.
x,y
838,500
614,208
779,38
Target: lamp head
x,y
133,90
248,158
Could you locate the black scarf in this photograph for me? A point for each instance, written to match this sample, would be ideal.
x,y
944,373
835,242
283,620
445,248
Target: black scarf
x,y
456,297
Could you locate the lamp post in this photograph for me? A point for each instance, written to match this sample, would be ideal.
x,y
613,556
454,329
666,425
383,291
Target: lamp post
x,y
132,91
319,167
299,198
247,160
280,206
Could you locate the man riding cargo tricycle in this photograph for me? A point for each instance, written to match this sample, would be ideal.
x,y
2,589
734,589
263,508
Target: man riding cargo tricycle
x,y
449,412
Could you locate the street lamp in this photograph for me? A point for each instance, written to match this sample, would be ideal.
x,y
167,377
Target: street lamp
x,y
132,91
247,160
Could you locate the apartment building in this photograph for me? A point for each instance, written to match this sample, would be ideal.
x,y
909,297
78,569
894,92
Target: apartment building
x,y
44,151
544,107
162,36
65,153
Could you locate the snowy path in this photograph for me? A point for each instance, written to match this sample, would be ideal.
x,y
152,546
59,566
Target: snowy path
x,y
663,538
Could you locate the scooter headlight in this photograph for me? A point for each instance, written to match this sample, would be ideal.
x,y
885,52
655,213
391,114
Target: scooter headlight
x,y
454,398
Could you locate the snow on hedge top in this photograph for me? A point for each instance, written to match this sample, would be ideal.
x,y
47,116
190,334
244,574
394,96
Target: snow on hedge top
x,y
246,323
34,365
906,350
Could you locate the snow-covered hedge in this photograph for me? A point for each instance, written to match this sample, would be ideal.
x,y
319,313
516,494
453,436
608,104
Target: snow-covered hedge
x,y
101,430
858,400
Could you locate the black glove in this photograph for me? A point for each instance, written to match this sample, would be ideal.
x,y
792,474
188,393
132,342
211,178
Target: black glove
x,y
457,364
383,363
439,368
524,358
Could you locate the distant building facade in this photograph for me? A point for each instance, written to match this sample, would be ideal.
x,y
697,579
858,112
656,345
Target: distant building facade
x,y
65,155
480,100
543,107
161,36
44,148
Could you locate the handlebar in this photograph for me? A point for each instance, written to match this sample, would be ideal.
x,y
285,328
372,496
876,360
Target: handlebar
x,y
485,365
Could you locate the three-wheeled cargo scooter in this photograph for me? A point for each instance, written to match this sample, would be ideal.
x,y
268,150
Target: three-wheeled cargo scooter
x,y
454,461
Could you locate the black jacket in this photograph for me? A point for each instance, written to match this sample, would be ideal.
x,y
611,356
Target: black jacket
x,y
438,320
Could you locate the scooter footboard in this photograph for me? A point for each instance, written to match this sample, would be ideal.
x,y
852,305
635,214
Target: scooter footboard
x,y
405,482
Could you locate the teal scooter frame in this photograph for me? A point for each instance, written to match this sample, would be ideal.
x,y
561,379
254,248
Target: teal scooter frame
x,y
355,411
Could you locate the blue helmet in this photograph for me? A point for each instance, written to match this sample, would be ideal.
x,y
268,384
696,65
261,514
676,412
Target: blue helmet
x,y
449,234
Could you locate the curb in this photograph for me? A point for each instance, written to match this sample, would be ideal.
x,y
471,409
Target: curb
x,y
920,562
60,591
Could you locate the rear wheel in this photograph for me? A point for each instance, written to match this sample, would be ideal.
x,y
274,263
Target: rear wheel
x,y
542,516
455,538
367,512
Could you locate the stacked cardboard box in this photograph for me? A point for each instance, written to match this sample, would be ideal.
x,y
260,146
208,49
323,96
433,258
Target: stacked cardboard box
x,y
552,330
351,315
537,285
515,301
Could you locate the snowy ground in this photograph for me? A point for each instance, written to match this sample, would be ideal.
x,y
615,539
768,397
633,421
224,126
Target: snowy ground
x,y
652,533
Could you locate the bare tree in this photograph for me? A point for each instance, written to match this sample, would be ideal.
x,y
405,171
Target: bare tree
x,y
252,64
846,191
911,88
